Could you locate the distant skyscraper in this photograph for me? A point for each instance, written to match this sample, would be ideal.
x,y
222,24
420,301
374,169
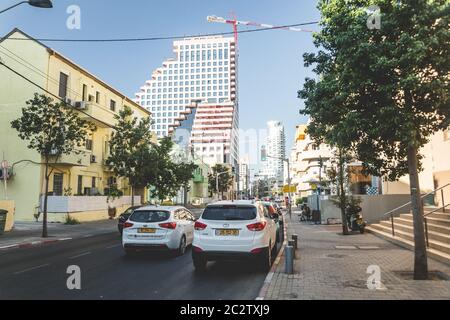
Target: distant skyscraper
x,y
276,152
203,70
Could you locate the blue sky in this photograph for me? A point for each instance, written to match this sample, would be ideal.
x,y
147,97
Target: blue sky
x,y
270,67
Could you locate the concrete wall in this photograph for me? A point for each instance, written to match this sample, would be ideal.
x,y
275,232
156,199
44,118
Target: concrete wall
x,y
373,207
9,206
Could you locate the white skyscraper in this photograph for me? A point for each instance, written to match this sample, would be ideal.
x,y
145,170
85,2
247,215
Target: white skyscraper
x,y
276,151
204,70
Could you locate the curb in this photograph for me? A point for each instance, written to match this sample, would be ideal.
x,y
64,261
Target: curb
x,y
270,275
32,244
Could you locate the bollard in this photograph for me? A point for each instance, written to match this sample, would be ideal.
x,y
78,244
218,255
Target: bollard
x,y
295,239
292,244
289,260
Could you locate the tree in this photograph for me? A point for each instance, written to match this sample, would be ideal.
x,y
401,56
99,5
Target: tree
x,y
170,176
131,150
225,179
53,130
382,92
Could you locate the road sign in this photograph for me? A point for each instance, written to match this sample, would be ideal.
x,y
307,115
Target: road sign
x,y
286,189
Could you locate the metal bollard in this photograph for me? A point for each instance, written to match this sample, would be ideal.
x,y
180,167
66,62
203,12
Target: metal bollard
x,y
292,244
295,239
289,260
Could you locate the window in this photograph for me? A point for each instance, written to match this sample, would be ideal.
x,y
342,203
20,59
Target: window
x,y
97,97
89,144
58,184
112,105
80,185
84,96
94,182
63,80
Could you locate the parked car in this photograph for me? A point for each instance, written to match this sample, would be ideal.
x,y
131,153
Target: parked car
x,y
124,217
158,228
234,230
275,216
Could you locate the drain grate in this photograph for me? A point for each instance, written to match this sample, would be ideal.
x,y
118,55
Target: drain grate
x,y
336,256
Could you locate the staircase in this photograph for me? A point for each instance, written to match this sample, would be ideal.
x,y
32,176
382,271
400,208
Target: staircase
x,y
437,223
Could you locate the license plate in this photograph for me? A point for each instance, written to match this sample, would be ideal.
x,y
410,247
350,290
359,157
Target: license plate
x,y
146,230
227,232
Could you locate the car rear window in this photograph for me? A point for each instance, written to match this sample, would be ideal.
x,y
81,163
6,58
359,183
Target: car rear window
x,y
150,216
229,213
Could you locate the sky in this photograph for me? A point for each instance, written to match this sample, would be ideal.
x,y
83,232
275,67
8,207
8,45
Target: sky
x,y
271,69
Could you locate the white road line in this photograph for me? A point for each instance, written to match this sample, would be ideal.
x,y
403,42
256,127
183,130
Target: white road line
x,y
80,255
65,239
32,268
114,246
10,246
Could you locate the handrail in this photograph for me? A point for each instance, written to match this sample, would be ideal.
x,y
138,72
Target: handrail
x,y
422,197
425,215
436,210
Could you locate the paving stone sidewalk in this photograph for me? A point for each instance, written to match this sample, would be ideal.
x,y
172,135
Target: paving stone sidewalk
x,y
330,266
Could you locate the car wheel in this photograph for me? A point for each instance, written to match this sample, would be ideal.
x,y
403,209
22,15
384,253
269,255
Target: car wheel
x,y
199,263
182,247
266,259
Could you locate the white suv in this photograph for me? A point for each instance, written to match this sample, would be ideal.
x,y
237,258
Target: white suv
x,y
233,230
163,228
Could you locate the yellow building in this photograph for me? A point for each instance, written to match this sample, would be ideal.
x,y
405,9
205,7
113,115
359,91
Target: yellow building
x,y
79,183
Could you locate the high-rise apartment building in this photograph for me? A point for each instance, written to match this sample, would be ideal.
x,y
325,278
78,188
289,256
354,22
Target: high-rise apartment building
x,y
202,75
276,152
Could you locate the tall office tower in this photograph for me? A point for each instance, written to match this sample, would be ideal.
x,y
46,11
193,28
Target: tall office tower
x,y
276,152
202,75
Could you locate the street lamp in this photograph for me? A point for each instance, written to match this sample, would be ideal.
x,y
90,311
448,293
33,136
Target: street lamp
x,y
46,4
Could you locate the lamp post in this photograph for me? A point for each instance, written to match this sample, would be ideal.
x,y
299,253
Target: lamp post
x,y
45,4
289,181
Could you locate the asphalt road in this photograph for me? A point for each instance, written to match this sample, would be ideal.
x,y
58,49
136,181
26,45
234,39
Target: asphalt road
x,y
106,273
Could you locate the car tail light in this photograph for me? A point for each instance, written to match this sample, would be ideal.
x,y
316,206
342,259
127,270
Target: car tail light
x,y
168,225
259,226
199,226
127,225
197,249
257,250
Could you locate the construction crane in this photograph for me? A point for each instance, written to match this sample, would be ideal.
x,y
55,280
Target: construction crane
x,y
237,23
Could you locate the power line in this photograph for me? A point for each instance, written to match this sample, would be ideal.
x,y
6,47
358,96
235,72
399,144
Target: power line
x,y
168,37
54,95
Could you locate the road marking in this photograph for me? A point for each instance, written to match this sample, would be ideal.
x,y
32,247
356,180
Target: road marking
x,y
10,246
114,246
32,268
65,239
345,248
80,255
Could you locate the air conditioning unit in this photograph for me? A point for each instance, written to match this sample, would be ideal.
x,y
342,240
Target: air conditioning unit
x,y
68,101
93,159
81,105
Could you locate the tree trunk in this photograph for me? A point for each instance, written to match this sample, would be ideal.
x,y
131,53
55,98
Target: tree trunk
x,y
420,249
44,219
342,196
132,195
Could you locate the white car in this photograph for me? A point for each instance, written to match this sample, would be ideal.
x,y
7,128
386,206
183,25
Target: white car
x,y
158,228
233,230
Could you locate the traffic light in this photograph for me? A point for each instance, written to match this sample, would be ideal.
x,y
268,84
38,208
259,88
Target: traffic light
x,y
263,154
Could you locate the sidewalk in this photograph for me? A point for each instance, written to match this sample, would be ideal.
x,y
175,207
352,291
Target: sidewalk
x,y
26,234
330,266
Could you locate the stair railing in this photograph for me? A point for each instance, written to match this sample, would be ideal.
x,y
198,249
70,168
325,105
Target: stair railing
x,y
444,206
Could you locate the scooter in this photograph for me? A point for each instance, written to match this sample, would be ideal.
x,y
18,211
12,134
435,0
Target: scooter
x,y
358,223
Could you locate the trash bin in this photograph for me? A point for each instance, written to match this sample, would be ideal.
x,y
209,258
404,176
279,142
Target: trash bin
x,y
316,217
3,214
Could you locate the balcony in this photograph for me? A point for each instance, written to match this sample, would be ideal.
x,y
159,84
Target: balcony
x,y
315,154
82,159
99,115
